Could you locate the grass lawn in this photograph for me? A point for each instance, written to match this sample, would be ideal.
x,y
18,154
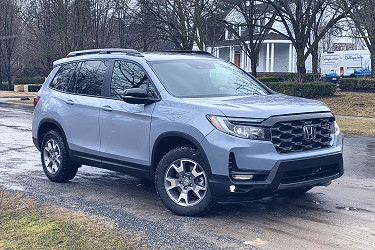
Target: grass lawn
x,y
28,224
356,126
12,93
351,103
31,101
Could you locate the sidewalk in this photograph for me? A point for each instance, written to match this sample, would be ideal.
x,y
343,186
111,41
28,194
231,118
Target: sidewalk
x,y
5,102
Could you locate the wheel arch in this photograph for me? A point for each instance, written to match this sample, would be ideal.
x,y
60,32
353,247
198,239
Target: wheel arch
x,y
170,140
49,124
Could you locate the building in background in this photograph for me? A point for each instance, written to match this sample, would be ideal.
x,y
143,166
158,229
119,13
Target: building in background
x,y
277,53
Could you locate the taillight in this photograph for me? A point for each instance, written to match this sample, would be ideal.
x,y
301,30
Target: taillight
x,y
36,100
341,71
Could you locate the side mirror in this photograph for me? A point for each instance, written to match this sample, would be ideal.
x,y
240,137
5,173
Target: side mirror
x,y
138,96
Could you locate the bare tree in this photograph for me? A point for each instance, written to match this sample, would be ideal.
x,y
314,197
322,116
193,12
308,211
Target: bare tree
x,y
57,27
255,20
364,20
181,22
301,19
9,29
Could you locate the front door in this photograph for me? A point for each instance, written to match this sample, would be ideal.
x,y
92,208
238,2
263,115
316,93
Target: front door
x,y
124,127
237,59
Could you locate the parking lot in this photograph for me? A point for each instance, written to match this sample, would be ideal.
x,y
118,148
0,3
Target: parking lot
x,y
341,216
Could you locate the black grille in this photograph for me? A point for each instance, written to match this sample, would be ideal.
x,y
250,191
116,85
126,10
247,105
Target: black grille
x,y
307,174
289,136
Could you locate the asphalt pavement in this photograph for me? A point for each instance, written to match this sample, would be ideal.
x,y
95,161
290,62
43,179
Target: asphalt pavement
x,y
340,216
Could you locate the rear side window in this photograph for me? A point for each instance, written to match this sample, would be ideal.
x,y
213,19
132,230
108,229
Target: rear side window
x,y
127,75
63,79
91,77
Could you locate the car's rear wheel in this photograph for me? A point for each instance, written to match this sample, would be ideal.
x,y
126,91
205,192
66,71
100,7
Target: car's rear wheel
x,y
55,159
181,182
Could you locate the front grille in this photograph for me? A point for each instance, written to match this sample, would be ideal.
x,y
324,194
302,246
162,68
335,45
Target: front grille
x,y
289,136
308,174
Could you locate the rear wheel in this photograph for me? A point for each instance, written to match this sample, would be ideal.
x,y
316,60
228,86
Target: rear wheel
x,y
181,182
55,159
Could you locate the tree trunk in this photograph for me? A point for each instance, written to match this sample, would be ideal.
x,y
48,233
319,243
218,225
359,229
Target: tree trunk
x,y
1,75
315,60
9,76
254,61
301,68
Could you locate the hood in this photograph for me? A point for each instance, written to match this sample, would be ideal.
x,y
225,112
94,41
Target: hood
x,y
260,106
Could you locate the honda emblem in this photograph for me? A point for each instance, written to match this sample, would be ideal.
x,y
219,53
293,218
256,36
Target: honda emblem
x,y
310,132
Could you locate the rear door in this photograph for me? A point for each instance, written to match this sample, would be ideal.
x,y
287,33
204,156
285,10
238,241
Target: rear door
x,y
82,124
330,65
124,127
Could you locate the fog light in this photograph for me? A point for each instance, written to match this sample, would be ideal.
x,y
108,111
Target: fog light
x,y
232,188
242,176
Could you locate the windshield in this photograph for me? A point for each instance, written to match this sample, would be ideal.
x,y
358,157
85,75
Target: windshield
x,y
198,78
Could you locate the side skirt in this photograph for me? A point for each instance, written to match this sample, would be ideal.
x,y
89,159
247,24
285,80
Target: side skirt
x,y
130,168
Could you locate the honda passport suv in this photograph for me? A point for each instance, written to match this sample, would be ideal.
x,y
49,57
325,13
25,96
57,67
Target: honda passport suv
x,y
203,129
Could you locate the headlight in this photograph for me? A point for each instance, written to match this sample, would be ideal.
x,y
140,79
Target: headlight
x,y
337,128
238,128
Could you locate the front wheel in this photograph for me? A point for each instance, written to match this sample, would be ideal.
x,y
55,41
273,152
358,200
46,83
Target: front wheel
x,y
181,182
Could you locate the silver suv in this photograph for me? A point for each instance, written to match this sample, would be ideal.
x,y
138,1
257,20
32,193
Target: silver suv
x,y
203,129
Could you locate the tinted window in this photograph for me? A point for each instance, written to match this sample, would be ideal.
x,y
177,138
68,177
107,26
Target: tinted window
x,y
63,79
90,77
194,78
128,75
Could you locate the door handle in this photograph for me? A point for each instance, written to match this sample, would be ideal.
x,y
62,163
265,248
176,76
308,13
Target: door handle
x,y
107,108
69,102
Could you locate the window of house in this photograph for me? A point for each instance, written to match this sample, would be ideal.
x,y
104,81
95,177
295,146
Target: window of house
x,y
127,75
91,77
230,35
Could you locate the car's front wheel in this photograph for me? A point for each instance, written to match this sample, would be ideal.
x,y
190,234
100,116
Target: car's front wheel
x,y
181,182
55,159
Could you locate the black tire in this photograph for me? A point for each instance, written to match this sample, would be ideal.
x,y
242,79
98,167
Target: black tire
x,y
188,155
295,192
66,169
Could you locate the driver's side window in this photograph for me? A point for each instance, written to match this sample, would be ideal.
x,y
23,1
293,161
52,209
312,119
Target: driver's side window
x,y
128,75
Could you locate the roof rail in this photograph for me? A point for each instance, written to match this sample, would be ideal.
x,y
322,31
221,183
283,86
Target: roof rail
x,y
130,52
193,52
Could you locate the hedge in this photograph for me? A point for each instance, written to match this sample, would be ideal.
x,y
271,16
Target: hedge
x,y
303,89
271,79
4,86
357,83
29,80
34,88
290,77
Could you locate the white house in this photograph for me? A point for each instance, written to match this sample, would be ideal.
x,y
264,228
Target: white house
x,y
277,53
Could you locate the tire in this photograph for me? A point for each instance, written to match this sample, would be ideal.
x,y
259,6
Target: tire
x,y
184,190
55,159
295,192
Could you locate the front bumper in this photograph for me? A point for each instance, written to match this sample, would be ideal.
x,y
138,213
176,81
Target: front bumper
x,y
286,174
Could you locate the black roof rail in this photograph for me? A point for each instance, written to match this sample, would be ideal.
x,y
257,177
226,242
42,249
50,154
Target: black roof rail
x,y
130,52
193,52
